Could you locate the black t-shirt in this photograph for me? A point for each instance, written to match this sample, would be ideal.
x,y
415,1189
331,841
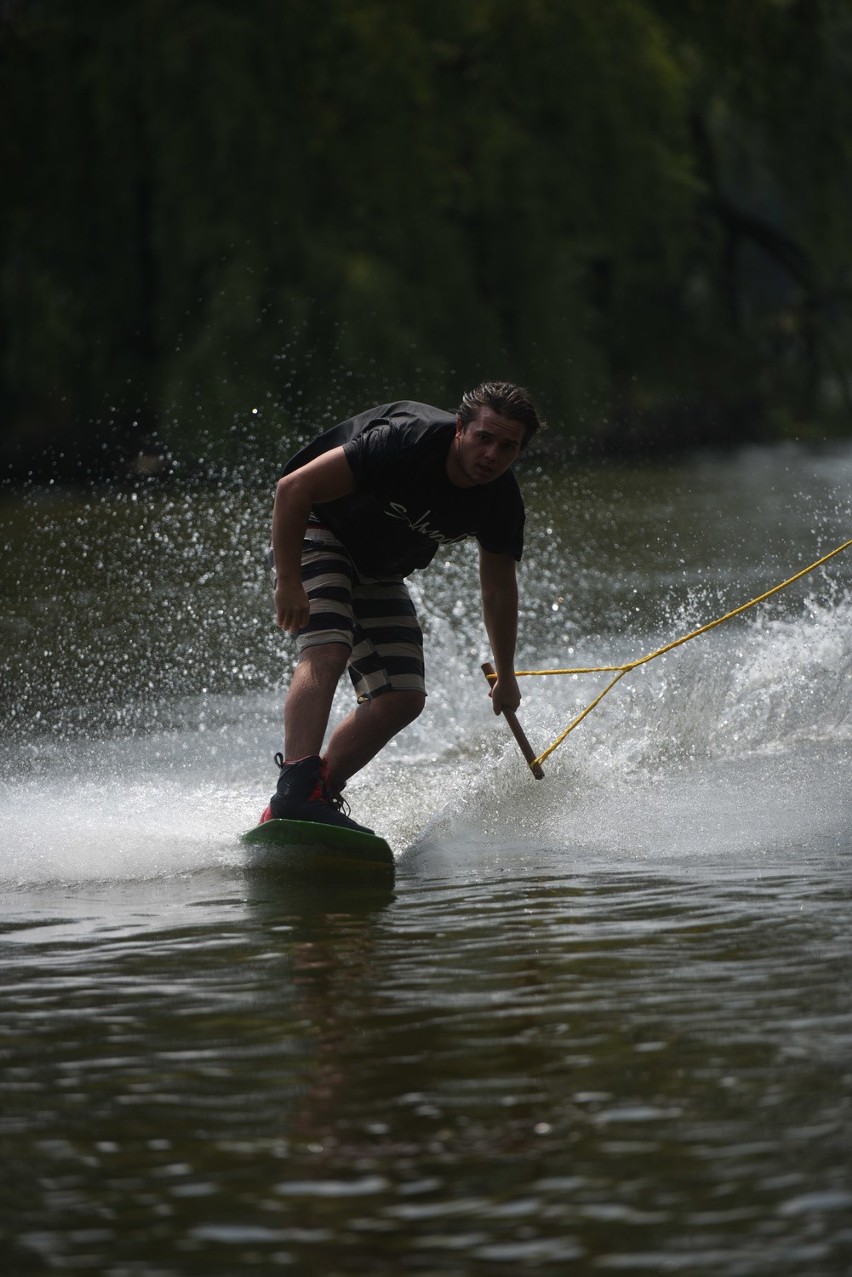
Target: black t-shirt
x,y
404,505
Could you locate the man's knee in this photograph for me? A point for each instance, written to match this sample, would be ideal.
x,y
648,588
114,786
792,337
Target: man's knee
x,y
325,659
401,708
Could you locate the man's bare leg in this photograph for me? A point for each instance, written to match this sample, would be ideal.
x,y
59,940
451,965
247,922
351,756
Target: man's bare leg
x,y
310,697
366,731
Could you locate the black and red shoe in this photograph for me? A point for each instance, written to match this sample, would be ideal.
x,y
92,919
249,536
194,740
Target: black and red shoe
x,y
303,794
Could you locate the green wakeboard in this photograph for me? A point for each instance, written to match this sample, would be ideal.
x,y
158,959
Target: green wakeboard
x,y
310,846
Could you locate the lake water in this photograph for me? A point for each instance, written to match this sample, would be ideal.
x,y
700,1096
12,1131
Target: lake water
x,y
601,1023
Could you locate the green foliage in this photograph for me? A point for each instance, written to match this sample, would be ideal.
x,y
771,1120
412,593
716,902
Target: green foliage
x,y
225,225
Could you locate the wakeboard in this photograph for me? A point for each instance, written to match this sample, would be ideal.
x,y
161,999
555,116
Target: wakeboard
x,y
313,847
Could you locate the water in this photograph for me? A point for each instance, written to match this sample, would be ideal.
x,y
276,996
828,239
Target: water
x,y
601,1022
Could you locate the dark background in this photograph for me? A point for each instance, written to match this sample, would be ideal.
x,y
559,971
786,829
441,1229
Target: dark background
x,y
228,223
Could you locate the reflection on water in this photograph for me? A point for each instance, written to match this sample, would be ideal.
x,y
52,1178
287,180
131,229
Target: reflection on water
x,y
635,1071
600,1022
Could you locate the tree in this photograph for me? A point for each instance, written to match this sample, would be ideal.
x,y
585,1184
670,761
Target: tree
x,y
225,226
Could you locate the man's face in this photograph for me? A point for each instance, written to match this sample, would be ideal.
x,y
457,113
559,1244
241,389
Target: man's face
x,y
484,449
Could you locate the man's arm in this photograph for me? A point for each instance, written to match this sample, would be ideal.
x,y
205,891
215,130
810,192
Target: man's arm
x,y
500,613
326,478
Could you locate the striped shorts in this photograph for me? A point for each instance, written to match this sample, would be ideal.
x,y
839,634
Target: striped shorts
x,y
374,618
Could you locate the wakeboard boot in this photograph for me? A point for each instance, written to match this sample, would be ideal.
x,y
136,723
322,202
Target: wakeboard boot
x,y
303,794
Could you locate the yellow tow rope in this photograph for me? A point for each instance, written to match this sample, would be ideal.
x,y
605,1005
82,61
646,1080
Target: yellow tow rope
x,y
643,660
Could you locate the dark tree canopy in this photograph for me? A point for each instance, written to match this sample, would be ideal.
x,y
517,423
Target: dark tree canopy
x,y
225,225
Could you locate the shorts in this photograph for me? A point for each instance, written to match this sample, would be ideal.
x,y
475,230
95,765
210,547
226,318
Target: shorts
x,y
374,618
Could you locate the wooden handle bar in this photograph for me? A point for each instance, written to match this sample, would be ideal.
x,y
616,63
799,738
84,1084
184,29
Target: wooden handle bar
x,y
517,731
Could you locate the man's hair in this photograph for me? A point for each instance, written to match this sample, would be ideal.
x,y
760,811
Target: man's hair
x,y
504,398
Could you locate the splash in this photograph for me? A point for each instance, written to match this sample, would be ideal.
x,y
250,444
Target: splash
x,y
142,681
715,751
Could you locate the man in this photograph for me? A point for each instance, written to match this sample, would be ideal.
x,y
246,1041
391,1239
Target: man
x,y
355,512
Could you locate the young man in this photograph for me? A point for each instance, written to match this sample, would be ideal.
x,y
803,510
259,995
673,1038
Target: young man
x,y
356,511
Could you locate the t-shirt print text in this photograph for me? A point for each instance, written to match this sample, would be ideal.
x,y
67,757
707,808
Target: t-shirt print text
x,y
421,524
